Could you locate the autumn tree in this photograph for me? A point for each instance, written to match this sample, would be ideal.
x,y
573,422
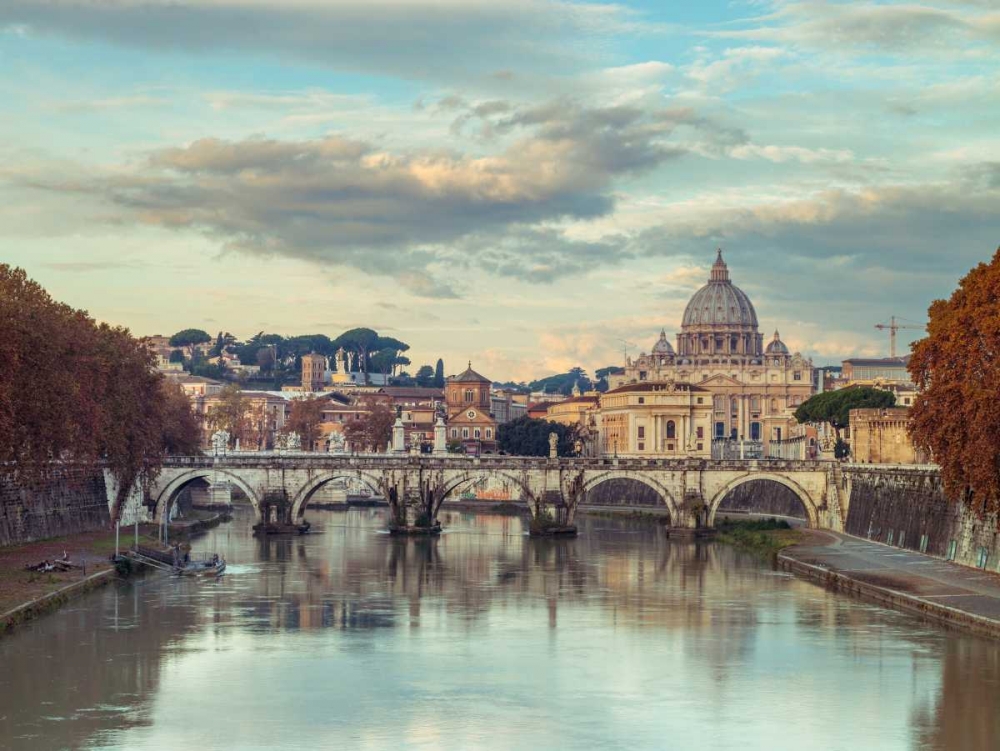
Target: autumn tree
x,y
230,414
73,390
956,415
181,431
372,432
305,418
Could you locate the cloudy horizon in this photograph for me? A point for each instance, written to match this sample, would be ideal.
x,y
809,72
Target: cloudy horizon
x,y
526,185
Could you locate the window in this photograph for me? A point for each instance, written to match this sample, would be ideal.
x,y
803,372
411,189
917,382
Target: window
x,y
470,395
465,432
477,433
642,400
671,429
701,446
642,375
700,432
489,432
797,375
642,446
701,400
755,431
454,432
670,447
642,432
720,429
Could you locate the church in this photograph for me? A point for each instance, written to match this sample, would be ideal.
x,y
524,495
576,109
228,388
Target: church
x,y
720,383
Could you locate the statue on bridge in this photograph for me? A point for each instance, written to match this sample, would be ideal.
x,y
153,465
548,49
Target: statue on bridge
x,y
220,442
337,443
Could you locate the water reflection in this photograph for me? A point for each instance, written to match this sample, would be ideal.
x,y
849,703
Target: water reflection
x,y
485,638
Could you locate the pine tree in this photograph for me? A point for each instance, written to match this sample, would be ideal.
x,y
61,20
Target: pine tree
x,y
439,374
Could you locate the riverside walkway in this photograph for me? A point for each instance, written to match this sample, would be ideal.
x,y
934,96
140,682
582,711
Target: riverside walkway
x,y
948,593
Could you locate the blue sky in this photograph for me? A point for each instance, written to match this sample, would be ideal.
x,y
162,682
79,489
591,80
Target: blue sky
x,y
522,184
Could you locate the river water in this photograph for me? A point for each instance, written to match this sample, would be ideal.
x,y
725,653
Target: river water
x,y
348,638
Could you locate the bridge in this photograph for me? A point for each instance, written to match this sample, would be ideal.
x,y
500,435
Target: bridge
x,y
281,485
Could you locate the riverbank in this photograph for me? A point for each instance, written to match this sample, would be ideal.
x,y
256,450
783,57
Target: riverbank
x,y
763,537
26,594
945,593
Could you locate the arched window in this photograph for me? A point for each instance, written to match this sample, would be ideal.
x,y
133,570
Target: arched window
x,y
671,429
470,395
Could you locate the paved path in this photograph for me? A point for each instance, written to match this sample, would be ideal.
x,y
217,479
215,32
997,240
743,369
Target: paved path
x,y
946,591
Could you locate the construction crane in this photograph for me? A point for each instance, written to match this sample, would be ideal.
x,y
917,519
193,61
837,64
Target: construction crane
x,y
893,327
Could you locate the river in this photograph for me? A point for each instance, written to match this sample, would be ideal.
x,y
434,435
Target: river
x,y
348,638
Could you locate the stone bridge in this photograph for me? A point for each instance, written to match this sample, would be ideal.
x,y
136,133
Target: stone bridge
x,y
280,485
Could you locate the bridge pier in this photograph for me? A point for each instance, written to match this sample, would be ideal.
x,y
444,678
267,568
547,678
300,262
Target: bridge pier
x,y
414,511
276,515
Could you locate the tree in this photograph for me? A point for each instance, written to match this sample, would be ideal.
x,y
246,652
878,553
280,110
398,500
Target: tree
x,y
373,431
528,436
230,414
189,337
221,342
956,415
102,407
563,383
362,342
834,407
181,433
176,355
425,376
305,418
439,374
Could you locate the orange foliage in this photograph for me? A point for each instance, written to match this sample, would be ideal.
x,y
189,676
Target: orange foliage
x,y
956,415
75,390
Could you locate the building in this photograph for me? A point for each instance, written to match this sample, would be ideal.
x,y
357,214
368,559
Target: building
x,y
194,386
656,418
469,421
865,371
882,436
314,376
752,389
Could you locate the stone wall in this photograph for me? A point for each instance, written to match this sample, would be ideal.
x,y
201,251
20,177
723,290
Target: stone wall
x,y
67,503
909,501
763,497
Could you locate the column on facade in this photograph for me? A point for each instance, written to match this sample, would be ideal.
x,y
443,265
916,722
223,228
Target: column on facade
x,y
739,419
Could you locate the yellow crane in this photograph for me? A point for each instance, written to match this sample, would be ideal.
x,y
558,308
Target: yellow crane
x,y
893,327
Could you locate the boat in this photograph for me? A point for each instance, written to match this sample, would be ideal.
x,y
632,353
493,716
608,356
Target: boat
x,y
210,566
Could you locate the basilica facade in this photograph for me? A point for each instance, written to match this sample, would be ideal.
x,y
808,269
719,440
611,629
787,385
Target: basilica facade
x,y
722,381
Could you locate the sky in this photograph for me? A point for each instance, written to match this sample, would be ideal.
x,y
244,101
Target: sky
x,y
528,184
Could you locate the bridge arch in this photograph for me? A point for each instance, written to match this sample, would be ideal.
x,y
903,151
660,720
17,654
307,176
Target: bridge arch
x,y
810,506
305,493
167,496
592,481
468,476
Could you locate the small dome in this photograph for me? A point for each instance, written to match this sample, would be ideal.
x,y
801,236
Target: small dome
x,y
662,346
720,302
776,346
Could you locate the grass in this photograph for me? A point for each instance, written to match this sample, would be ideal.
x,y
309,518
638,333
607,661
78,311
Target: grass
x,y
763,537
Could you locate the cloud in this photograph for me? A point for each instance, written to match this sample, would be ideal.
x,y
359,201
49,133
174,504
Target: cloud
x,y
410,38
869,27
405,214
781,154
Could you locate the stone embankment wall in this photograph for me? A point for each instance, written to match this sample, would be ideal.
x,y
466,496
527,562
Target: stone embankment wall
x,y
909,504
68,502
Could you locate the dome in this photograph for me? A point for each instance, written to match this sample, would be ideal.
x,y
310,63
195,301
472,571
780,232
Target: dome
x,y
662,346
776,346
720,303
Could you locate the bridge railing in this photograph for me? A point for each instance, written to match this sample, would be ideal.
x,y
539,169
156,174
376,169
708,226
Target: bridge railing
x,y
498,461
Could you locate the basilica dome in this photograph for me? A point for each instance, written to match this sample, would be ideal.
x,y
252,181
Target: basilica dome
x,y
662,346
776,346
720,304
